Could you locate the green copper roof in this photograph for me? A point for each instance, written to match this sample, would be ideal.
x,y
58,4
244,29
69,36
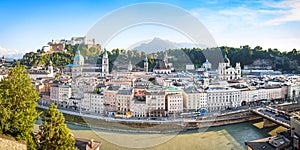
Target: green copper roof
x,y
104,51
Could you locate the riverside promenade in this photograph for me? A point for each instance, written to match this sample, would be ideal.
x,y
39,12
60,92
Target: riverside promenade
x,y
169,125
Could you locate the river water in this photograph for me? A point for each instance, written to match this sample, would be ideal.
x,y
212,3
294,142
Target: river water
x,y
240,133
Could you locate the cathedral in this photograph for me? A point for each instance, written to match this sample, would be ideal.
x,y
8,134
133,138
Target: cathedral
x,y
79,68
84,75
227,72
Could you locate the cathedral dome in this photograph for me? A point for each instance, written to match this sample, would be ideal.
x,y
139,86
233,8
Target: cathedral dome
x,y
146,59
78,59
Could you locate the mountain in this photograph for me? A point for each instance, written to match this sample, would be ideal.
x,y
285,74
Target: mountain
x,y
157,44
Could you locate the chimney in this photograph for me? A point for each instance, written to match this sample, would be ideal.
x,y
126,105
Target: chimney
x,y
92,143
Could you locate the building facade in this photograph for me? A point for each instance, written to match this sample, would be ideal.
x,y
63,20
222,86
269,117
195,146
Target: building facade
x,y
222,98
93,102
60,94
194,99
227,72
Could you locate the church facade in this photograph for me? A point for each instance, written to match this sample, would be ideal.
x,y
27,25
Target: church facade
x,y
79,68
162,66
84,75
227,72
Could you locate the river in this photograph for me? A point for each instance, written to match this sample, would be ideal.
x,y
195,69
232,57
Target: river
x,y
223,137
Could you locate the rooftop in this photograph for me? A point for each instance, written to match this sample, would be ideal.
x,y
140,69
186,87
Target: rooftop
x,y
161,65
191,90
83,144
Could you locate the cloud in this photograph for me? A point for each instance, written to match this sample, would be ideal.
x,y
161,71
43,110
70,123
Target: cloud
x,y
6,52
254,24
234,18
290,12
264,13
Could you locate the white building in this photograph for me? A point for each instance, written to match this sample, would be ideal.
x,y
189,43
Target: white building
x,y
252,94
82,40
174,103
35,73
81,85
174,99
294,91
206,65
222,98
227,72
189,67
194,99
138,109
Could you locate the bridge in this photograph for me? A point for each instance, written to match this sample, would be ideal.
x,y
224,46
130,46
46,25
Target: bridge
x,y
272,115
289,107
279,114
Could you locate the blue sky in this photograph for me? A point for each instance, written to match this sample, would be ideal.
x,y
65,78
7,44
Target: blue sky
x,y
28,25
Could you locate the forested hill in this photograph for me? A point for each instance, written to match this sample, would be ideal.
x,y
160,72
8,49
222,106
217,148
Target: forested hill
x,y
287,62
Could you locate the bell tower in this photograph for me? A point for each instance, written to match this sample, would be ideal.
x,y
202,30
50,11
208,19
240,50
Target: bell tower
x,y
146,64
105,63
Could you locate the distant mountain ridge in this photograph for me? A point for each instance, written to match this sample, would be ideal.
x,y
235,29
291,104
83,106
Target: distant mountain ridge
x,y
157,44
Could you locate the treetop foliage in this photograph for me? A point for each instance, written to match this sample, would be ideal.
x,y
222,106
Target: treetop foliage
x,y
18,101
54,132
244,54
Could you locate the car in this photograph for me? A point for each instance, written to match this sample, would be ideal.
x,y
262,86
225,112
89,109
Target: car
x,y
287,117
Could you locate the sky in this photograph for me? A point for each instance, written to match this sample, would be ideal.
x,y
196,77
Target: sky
x,y
28,25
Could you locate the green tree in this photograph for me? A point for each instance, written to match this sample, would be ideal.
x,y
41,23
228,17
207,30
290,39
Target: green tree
x,y
18,101
55,134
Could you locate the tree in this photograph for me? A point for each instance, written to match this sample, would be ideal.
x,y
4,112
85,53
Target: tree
x,y
54,132
18,101
57,75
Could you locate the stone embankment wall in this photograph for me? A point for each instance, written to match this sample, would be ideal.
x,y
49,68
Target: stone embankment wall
x,y
9,143
233,118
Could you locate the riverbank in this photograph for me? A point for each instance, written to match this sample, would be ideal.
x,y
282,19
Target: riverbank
x,y
158,127
223,137
230,136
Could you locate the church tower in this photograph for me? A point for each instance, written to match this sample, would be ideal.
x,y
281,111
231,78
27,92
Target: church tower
x,y
238,70
105,63
166,58
78,59
146,64
129,66
50,68
77,65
